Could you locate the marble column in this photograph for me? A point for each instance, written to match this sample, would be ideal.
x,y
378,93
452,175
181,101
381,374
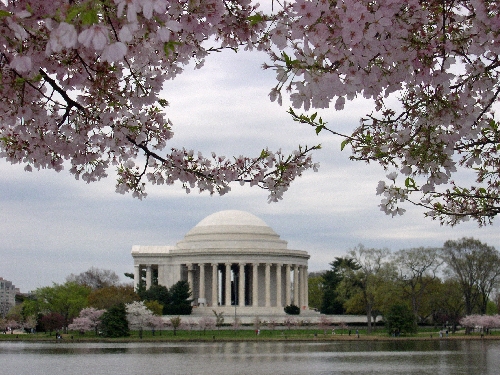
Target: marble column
x,y
296,301
137,276
278,285
201,292
255,284
241,285
190,276
306,287
267,282
228,284
148,276
288,287
215,289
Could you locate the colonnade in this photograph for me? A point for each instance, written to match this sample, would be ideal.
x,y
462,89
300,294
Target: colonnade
x,y
238,283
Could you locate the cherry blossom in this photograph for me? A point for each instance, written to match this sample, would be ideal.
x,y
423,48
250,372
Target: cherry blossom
x,y
481,322
438,60
95,36
81,88
88,320
139,316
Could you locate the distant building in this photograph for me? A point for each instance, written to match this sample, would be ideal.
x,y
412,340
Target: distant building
x,y
8,293
230,259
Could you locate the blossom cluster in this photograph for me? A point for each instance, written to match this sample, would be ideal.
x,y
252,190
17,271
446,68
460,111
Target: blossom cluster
x,y
432,70
88,320
139,316
81,84
483,322
81,81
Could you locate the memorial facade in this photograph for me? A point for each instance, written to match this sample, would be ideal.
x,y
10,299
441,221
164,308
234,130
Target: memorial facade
x,y
230,259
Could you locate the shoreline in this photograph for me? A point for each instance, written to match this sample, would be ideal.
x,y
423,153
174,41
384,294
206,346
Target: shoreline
x,y
291,338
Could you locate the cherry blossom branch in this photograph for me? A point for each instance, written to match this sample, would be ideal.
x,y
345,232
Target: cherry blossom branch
x,y
70,102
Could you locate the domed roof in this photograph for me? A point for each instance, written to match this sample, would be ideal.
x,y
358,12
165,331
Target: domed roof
x,y
231,217
232,229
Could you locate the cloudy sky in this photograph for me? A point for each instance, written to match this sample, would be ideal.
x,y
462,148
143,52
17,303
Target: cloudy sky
x,y
53,225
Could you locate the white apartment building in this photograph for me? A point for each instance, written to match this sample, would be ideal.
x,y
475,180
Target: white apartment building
x,y
8,293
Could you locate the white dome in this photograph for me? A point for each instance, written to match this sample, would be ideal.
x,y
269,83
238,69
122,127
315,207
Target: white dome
x,y
232,229
232,217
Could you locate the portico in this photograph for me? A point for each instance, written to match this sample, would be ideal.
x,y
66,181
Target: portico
x,y
230,259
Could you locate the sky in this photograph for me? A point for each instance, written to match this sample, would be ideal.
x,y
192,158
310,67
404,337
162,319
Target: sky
x,y
53,226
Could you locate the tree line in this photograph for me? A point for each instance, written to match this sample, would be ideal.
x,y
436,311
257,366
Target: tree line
x,y
439,286
96,298
434,285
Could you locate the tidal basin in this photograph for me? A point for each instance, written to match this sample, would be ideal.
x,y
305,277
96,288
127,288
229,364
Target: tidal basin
x,y
254,358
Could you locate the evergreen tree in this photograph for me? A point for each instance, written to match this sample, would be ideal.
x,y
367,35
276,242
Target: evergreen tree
x,y
114,322
159,293
400,319
332,303
180,299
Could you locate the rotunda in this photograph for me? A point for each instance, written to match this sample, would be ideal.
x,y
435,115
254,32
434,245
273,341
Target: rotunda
x,y
230,259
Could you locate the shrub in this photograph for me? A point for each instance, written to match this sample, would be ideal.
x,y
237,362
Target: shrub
x,y
292,310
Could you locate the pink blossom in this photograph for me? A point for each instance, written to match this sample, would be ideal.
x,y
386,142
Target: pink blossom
x,y
434,99
114,52
21,64
64,36
148,6
95,36
126,33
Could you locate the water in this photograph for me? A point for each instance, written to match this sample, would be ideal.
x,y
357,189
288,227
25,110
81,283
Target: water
x,y
400,357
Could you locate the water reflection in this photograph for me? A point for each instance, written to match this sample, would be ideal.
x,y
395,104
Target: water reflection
x,y
392,357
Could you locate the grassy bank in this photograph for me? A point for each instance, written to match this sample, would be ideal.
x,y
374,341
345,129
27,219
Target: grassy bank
x,y
226,334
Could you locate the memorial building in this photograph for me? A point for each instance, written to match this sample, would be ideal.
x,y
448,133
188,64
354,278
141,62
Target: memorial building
x,y
231,259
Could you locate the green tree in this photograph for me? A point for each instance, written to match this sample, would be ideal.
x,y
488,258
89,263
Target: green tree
x,y
15,313
67,299
109,296
491,308
367,280
447,303
427,304
476,266
400,319
114,322
159,293
180,299
315,291
417,269
175,321
30,306
332,302
155,307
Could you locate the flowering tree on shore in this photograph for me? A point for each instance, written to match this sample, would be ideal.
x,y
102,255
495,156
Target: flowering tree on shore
x,y
324,323
175,322
88,320
29,323
156,322
205,323
138,316
482,322
81,84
